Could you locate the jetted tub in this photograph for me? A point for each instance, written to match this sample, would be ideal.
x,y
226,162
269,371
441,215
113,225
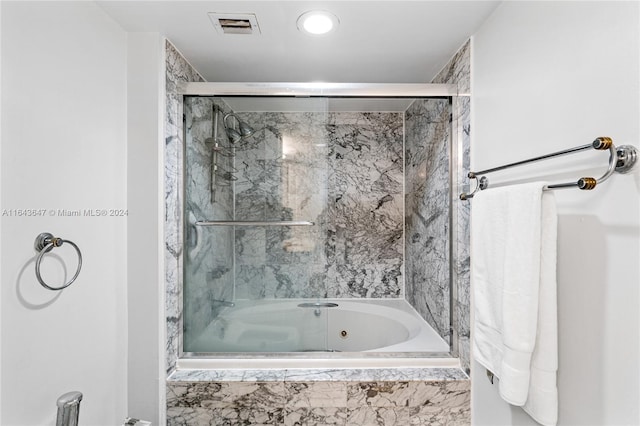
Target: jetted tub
x,y
298,326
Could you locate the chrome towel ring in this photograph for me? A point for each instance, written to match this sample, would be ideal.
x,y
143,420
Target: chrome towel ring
x,y
44,243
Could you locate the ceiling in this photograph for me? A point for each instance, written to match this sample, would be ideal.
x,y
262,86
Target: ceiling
x,y
376,41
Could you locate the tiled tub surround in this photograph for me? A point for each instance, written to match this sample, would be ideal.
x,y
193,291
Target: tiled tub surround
x,y
342,171
177,70
238,409
458,71
427,193
376,396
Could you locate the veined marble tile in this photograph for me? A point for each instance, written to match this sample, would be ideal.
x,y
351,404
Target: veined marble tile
x,y
315,416
380,394
228,375
458,70
316,394
427,211
378,416
403,416
250,246
367,280
177,69
375,374
288,170
226,394
310,375
253,283
463,260
293,245
319,403
229,416
433,416
442,394
179,416
365,186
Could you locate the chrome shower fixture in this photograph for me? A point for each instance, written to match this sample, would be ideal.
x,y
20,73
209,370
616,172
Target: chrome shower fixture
x,y
236,135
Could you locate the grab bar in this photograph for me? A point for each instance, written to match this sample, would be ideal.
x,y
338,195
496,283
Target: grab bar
x,y
45,242
621,160
318,305
254,223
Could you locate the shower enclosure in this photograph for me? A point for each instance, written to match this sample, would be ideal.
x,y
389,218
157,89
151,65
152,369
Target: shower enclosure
x,y
318,218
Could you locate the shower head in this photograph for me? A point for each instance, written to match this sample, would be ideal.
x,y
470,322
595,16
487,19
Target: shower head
x,y
243,130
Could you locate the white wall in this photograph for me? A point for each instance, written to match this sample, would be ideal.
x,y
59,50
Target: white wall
x,y
549,76
145,201
63,146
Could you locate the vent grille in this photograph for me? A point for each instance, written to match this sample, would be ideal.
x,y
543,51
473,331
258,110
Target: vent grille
x,y
235,23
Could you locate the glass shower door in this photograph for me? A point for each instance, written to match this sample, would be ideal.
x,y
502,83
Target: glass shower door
x,y
256,202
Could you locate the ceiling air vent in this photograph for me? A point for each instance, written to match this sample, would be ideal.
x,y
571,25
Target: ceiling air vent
x,y
235,23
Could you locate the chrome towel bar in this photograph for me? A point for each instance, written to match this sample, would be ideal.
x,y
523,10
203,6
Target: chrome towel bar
x,y
621,160
45,242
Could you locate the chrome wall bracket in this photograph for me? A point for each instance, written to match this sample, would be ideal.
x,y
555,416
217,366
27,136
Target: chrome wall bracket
x,y
627,157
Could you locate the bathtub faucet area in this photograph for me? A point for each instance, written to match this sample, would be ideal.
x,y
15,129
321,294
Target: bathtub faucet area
x,y
317,306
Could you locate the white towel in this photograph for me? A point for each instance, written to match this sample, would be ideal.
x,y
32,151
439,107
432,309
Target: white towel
x,y
513,276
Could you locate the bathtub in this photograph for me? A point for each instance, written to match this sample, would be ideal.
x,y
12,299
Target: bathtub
x,y
293,326
393,368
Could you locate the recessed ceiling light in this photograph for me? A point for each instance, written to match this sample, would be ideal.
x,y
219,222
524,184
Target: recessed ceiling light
x,y
317,22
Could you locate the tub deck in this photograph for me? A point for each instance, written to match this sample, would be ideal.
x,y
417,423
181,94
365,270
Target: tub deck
x,y
322,396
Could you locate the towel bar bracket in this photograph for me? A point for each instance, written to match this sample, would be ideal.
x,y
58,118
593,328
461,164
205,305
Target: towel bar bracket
x,y
490,376
627,157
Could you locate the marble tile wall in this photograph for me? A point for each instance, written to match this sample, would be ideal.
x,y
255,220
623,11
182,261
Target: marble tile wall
x,y
365,224
427,207
177,70
282,175
458,71
323,397
342,171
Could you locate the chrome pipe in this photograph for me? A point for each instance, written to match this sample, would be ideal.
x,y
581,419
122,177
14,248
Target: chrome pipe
x,y
533,160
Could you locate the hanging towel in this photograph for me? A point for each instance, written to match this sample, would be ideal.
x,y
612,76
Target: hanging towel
x,y
513,276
